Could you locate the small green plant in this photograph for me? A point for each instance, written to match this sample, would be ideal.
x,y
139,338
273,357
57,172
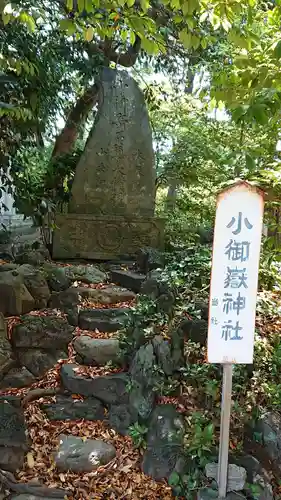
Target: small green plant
x,y
138,432
199,438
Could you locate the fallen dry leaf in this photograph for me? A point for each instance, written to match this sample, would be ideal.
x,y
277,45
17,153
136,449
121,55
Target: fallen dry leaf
x,y
30,460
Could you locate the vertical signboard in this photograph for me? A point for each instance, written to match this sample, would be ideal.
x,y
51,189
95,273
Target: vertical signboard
x,y
234,279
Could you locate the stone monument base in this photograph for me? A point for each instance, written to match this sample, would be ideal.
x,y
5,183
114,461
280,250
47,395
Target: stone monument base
x,y
104,237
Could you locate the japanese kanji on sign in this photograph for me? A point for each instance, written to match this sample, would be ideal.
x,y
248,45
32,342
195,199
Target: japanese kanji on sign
x,y
234,279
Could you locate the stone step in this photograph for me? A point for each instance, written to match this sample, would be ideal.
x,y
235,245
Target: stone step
x,y
97,351
109,389
127,279
67,408
104,320
107,295
78,455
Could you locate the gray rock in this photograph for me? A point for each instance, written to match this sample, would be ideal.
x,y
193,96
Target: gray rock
x,y
67,408
109,389
108,295
164,453
115,175
32,257
194,330
165,303
67,301
177,349
104,320
77,455
30,497
150,288
250,463
39,361
141,400
36,284
97,351
263,489
12,426
149,259
121,417
268,429
8,267
56,277
209,494
6,354
15,298
33,253
47,332
154,286
17,377
127,279
236,476
163,354
11,458
142,369
87,274
144,377
203,308
11,399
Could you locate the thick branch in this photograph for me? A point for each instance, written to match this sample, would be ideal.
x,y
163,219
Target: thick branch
x,y
65,141
9,482
126,59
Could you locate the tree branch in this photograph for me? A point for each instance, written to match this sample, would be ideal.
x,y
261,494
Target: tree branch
x,y
126,59
10,482
66,139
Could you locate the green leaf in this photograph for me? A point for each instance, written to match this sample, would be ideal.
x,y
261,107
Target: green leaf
x,y
69,4
204,43
89,34
259,113
277,50
130,3
144,5
238,40
33,101
89,7
6,18
28,20
195,41
124,35
190,22
174,479
81,5
190,6
203,17
177,19
149,46
132,38
239,112
185,38
68,26
250,162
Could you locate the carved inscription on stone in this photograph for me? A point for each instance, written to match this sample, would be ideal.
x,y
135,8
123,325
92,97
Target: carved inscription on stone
x,y
103,237
115,174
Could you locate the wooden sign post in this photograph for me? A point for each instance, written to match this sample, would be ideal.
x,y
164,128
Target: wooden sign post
x,y
234,281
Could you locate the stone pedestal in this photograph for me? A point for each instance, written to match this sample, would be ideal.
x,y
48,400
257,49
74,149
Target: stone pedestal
x,y
104,237
111,209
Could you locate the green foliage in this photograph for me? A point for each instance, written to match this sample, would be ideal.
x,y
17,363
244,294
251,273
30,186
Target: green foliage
x,y
138,432
41,183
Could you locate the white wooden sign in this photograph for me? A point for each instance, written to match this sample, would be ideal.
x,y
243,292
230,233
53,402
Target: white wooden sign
x,y
234,279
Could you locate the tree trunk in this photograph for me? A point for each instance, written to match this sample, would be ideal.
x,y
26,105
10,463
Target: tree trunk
x,y
65,141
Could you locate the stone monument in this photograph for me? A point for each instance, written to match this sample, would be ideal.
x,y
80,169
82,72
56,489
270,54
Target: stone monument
x,y
111,211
